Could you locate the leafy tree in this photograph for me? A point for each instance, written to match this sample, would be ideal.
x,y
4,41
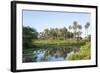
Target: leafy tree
x,y
53,33
70,34
28,35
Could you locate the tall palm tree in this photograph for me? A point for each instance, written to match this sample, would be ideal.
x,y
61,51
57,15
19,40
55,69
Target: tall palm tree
x,y
46,32
75,27
52,33
79,32
64,32
56,31
86,28
70,27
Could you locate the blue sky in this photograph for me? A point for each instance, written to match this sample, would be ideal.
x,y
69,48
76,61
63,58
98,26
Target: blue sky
x,y
41,20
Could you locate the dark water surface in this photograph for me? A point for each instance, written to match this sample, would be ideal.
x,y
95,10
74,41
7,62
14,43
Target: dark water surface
x,y
49,54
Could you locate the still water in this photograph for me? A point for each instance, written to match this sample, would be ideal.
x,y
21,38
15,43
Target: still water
x,y
49,54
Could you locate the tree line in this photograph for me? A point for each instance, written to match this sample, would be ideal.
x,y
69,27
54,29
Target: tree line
x,y
55,33
30,34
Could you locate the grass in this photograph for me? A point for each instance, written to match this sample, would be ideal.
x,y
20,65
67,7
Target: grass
x,y
57,43
83,54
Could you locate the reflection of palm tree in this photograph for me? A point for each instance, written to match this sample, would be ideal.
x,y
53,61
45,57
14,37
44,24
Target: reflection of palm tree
x,y
86,27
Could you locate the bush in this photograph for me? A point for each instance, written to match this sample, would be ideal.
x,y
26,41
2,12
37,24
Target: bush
x,y
83,54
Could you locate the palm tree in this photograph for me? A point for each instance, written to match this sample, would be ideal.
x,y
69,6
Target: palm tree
x,y
70,27
75,27
46,32
52,33
86,28
79,27
64,32
56,31
79,32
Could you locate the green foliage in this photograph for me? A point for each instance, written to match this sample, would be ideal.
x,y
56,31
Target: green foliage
x,y
28,35
83,54
55,33
29,32
57,43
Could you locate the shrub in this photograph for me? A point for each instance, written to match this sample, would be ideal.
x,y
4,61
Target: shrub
x,y
83,54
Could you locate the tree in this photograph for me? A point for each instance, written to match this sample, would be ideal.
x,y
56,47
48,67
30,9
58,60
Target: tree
x,y
46,32
55,33
64,32
86,28
70,33
30,32
75,27
70,27
76,30
41,35
79,32
28,35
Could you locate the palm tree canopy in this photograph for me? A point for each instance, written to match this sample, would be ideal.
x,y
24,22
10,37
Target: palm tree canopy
x,y
87,25
75,25
70,27
79,26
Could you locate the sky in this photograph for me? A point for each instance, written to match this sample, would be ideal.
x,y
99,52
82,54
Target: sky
x,y
41,20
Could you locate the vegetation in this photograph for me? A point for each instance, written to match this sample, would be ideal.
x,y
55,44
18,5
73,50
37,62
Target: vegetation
x,y
75,27
55,33
28,35
83,54
57,39
57,43
86,28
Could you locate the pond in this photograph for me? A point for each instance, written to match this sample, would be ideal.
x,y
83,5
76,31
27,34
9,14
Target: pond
x,y
49,54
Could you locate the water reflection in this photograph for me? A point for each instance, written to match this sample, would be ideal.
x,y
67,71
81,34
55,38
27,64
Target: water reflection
x,y
50,54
